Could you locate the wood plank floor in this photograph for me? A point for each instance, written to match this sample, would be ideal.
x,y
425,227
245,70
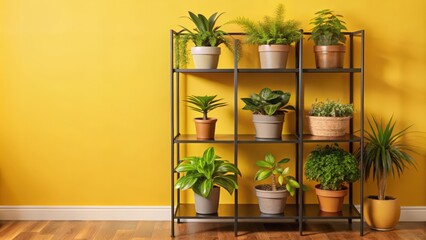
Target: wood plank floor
x,y
138,230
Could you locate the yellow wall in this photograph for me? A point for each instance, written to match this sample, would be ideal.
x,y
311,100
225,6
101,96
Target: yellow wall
x,y
84,93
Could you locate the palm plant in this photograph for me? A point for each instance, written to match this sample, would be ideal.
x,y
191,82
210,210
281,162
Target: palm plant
x,y
202,173
384,153
272,30
204,104
206,34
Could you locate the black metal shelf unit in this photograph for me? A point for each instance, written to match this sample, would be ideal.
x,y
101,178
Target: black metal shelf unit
x,y
298,211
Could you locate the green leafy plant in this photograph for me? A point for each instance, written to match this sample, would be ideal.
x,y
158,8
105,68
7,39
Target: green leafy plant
x,y
384,153
272,30
268,102
205,34
269,167
328,28
331,166
204,104
202,173
331,108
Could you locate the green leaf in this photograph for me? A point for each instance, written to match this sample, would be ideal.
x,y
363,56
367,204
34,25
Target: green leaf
x,y
206,187
263,175
270,158
284,160
265,164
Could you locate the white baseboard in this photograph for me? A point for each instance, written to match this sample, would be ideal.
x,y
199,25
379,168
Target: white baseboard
x,y
132,213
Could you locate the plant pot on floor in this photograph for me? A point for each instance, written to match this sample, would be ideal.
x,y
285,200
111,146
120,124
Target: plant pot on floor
x,y
207,205
329,56
330,200
205,57
273,56
268,127
382,215
205,128
328,126
271,202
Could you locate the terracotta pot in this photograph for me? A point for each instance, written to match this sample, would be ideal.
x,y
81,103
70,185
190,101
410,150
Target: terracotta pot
x,y
273,56
271,202
269,127
329,200
329,56
382,215
328,126
205,57
207,205
205,128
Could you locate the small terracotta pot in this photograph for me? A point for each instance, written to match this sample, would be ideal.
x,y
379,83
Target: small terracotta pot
x,y
269,127
328,126
271,202
207,205
382,215
329,200
205,57
205,128
329,56
273,56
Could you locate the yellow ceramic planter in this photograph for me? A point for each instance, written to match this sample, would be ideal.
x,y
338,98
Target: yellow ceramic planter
x,y
382,215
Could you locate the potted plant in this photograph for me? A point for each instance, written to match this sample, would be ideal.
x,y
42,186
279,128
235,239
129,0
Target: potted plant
x,y
328,38
384,155
274,35
269,108
272,197
204,175
206,36
329,118
331,166
205,126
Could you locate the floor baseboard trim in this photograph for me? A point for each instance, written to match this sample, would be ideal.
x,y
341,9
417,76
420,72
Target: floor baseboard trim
x,y
132,213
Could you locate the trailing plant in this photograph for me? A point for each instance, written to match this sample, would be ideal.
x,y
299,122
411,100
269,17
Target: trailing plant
x,y
269,167
204,172
268,102
331,108
272,30
328,28
204,104
205,34
331,166
384,153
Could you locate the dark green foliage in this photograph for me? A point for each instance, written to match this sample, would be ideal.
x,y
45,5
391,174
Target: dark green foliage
x,y
268,102
331,108
204,104
202,173
272,30
384,153
271,168
331,166
328,28
205,34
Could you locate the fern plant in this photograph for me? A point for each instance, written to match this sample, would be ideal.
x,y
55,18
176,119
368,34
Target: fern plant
x,y
328,28
205,34
272,30
204,104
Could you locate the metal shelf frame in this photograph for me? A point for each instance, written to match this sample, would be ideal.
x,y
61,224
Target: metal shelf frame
x,y
299,211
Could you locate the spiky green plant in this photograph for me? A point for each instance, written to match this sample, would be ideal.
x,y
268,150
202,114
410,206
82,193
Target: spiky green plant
x,y
328,28
272,30
385,153
269,167
202,173
206,34
204,104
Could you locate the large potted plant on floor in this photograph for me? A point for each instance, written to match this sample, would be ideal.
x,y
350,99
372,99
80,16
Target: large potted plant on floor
x,y
269,108
384,155
332,167
204,175
206,36
272,197
205,126
274,35
329,118
328,38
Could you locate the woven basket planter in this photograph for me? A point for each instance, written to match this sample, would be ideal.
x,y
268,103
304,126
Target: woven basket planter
x,y
328,126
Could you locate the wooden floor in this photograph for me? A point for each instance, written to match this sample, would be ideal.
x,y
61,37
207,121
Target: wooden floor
x,y
115,230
